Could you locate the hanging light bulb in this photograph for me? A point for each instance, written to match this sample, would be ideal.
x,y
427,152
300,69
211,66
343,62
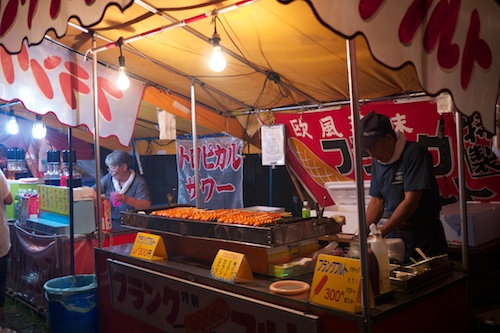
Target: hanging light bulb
x,y
122,81
12,126
217,62
39,130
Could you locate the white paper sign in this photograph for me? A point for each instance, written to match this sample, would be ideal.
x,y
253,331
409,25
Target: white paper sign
x,y
273,144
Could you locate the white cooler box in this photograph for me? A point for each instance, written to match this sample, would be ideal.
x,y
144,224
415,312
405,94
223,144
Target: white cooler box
x,y
483,222
345,197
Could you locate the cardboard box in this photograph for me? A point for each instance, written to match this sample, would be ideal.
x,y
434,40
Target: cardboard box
x,y
483,223
54,223
55,199
53,209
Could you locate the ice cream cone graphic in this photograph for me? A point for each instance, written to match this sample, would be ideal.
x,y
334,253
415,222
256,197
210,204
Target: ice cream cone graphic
x,y
315,167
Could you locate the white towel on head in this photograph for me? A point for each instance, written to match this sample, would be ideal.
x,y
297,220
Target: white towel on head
x,y
126,185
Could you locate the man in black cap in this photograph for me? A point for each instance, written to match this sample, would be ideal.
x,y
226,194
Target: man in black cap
x,y
402,184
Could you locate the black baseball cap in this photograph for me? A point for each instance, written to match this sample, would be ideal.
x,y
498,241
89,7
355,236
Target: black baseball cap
x,y
374,126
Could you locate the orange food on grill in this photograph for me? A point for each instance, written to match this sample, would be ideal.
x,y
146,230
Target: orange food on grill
x,y
232,216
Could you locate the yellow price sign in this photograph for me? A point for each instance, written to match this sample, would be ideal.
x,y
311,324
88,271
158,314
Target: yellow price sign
x,y
148,246
336,283
231,267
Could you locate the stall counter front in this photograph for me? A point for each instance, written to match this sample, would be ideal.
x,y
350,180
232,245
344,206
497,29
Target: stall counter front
x,y
178,295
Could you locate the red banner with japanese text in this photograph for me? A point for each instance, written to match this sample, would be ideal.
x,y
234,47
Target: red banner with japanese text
x,y
220,169
319,147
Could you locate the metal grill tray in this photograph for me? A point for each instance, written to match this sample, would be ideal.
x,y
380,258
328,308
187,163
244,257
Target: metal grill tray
x,y
423,273
288,231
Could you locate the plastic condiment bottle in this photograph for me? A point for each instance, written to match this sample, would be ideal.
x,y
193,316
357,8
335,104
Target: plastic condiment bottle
x,y
353,249
373,272
379,247
306,211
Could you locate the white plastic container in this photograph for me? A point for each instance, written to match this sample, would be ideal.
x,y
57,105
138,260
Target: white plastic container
x,y
395,250
482,222
379,247
345,196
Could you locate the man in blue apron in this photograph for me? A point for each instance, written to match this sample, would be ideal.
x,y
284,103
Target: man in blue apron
x,y
404,186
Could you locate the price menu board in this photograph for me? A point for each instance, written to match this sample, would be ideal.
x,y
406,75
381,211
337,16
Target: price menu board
x,y
149,247
231,267
337,283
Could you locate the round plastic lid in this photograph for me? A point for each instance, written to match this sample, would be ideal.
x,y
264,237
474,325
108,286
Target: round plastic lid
x,y
289,287
28,180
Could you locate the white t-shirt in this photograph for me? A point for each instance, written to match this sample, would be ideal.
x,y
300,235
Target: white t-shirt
x,y
4,227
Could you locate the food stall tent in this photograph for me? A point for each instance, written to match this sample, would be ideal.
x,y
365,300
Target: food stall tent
x,y
167,62
258,40
285,82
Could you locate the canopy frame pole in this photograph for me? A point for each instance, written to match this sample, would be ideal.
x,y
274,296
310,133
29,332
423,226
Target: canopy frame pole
x,y
97,146
358,167
196,154
226,51
170,26
71,185
462,190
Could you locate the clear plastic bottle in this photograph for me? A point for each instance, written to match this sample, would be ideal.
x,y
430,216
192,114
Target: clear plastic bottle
x,y
306,211
353,249
379,248
18,199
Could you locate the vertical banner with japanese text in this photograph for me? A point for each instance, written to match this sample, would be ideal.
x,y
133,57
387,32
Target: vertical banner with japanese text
x,y
319,147
220,172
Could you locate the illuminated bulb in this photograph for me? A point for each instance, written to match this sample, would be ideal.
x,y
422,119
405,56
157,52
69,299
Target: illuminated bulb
x,y
122,82
39,130
12,126
217,61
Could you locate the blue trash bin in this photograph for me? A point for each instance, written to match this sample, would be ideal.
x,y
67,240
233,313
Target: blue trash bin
x,y
72,304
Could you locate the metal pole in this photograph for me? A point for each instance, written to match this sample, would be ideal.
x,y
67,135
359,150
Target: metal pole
x,y
71,203
271,167
171,26
358,166
462,189
227,51
195,146
97,155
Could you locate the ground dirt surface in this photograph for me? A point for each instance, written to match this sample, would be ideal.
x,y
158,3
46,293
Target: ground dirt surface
x,y
20,318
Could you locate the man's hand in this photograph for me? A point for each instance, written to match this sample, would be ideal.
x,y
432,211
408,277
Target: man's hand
x,y
402,212
374,211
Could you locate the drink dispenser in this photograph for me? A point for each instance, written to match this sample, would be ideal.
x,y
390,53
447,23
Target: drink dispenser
x,y
77,177
16,166
53,173
20,163
11,161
